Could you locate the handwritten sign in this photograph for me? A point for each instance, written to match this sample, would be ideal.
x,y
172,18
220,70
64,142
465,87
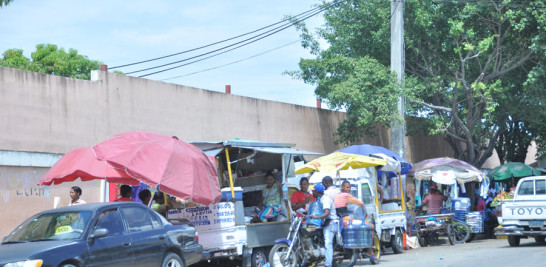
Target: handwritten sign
x,y
215,216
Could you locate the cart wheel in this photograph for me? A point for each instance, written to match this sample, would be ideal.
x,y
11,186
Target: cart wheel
x,y
451,234
422,238
462,232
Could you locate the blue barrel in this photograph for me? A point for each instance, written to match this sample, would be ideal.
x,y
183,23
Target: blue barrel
x,y
350,236
315,208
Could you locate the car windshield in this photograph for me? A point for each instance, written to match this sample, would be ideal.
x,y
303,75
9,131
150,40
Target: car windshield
x,y
51,226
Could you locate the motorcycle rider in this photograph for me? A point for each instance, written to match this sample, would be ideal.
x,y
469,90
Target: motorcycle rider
x,y
330,217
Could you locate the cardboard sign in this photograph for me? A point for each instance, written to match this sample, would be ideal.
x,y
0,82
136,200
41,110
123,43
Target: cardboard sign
x,y
215,216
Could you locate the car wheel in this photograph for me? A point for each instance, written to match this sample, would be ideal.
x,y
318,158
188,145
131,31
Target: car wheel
x,y
68,265
259,258
513,241
172,260
397,242
540,239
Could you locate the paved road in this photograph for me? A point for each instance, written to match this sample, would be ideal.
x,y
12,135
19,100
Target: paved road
x,y
478,253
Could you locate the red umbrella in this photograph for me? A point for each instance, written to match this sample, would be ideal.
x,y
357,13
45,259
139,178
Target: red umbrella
x,y
179,168
81,162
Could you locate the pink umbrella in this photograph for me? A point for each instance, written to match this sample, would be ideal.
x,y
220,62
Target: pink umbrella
x,y
81,162
179,168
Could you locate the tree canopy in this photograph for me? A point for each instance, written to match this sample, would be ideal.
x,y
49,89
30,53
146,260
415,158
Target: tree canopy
x,y
474,71
49,59
4,3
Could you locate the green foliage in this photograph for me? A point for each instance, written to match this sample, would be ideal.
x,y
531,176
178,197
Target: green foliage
x,y
4,3
465,63
48,59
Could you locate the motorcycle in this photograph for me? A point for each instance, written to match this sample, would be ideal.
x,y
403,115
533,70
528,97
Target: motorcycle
x,y
304,246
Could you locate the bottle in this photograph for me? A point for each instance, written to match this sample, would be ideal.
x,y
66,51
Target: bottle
x,y
285,191
350,235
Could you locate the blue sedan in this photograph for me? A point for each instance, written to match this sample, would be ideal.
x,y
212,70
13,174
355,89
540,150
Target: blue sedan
x,y
100,234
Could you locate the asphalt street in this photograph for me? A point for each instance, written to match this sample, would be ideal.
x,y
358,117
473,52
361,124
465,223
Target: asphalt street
x,y
485,252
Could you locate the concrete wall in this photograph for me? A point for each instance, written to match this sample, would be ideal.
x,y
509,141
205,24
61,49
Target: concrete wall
x,y
44,116
44,113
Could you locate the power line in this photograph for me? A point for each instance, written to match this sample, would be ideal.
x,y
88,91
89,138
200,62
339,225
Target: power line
x,y
233,62
244,43
225,40
248,40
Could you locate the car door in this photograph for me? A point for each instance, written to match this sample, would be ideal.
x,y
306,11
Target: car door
x,y
147,234
114,249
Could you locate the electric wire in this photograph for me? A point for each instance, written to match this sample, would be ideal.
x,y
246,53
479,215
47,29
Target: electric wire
x,y
225,40
244,43
233,62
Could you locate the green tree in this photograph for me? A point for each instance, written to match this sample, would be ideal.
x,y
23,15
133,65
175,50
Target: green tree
x,y
4,3
48,59
462,57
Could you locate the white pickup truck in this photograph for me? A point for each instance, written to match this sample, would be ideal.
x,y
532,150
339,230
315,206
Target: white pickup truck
x,y
525,215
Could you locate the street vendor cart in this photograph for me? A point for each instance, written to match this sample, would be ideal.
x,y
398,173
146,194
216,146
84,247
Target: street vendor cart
x,y
226,229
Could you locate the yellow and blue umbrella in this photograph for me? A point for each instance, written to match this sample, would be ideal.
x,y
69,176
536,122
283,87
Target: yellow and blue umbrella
x,y
337,161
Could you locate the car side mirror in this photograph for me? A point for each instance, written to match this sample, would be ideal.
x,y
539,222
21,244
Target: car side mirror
x,y
99,233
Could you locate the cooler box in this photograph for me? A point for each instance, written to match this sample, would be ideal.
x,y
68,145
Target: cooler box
x,y
226,194
460,206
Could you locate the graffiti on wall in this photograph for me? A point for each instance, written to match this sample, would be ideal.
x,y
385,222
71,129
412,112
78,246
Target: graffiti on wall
x,y
16,182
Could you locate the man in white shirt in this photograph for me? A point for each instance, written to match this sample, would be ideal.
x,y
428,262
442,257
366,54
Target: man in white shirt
x,y
330,189
332,228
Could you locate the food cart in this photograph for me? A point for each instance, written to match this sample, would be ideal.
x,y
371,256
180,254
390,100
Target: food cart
x,y
225,229
453,180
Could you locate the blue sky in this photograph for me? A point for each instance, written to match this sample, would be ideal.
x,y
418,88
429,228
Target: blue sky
x,y
119,32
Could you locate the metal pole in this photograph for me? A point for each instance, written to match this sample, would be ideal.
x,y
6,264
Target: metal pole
x,y
398,59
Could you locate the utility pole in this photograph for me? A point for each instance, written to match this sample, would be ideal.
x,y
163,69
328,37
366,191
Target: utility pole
x,y
398,62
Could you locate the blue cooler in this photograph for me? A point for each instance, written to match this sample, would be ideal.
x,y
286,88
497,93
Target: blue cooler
x,y
226,194
461,207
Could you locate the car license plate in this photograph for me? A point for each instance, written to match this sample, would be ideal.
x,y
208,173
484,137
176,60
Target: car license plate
x,y
536,223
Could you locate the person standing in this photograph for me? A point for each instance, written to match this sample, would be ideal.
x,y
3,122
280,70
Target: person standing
x,y
75,196
125,191
330,189
331,229
301,198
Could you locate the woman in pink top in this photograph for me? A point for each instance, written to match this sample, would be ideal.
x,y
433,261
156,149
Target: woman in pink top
x,y
434,201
